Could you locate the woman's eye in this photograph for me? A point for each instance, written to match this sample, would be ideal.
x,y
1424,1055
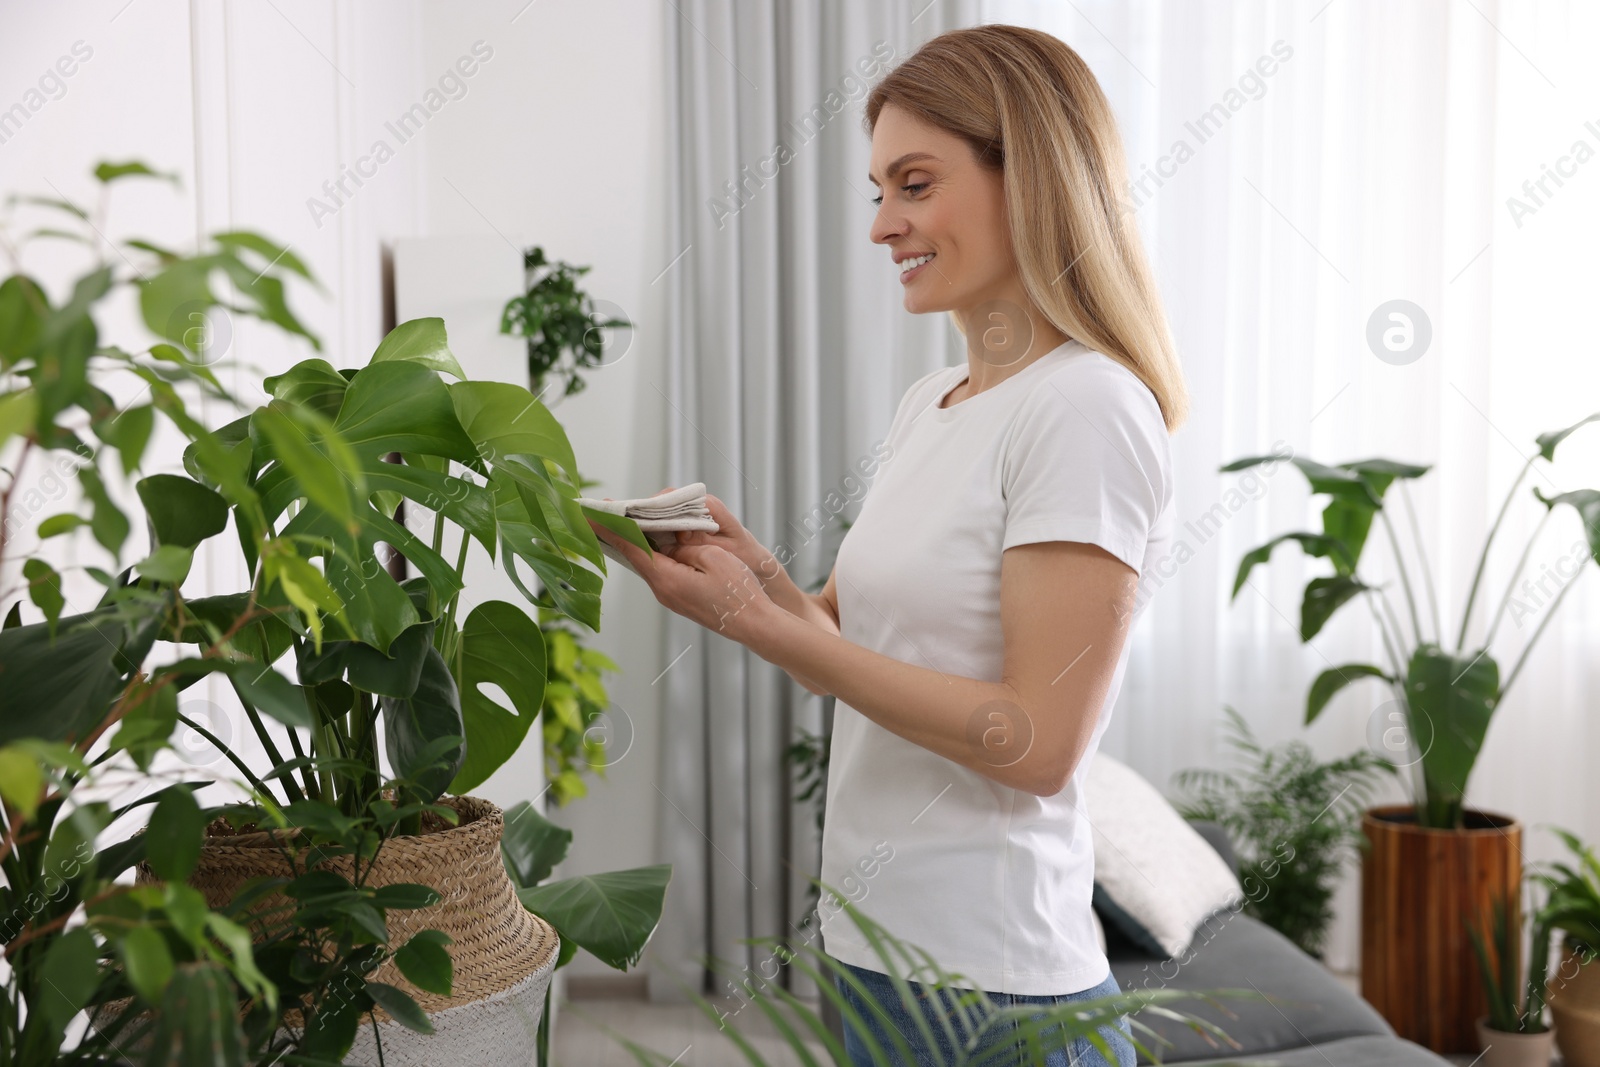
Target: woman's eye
x,y
908,188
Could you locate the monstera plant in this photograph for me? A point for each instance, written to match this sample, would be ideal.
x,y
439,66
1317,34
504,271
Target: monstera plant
x,y
1448,694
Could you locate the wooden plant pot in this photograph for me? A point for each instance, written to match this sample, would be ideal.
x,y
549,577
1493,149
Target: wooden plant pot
x,y
1418,887
1574,998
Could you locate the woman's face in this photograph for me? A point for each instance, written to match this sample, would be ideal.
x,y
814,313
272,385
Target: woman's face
x,y
940,201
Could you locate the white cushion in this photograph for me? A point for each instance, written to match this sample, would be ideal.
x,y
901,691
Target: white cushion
x,y
1155,877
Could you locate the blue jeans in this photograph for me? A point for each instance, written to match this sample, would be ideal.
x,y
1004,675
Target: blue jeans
x,y
1079,1053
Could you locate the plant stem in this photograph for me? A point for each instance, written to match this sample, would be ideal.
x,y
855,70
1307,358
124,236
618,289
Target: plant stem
x,y
1383,633
312,790
438,531
1549,613
1405,579
1483,557
222,748
291,792
1516,573
1422,558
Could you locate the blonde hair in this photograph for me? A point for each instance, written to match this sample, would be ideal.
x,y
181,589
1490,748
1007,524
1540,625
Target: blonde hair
x,y
1023,97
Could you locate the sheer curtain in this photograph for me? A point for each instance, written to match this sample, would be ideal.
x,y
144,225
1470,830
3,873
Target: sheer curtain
x,y
1378,152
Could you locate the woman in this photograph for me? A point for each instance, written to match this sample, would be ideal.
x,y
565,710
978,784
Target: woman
x,y
974,627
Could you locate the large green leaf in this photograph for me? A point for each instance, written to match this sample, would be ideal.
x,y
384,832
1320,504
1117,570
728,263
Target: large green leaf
x,y
23,307
413,726
420,341
1587,504
531,845
1320,545
1549,441
611,914
402,406
1450,700
500,645
507,420
174,835
1323,597
323,467
1334,679
181,511
311,383
394,675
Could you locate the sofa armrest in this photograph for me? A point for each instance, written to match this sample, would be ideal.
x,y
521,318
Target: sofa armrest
x,y
1217,838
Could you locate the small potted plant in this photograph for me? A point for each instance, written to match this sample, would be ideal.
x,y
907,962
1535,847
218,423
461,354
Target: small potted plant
x,y
1513,1032
1572,908
1295,821
563,329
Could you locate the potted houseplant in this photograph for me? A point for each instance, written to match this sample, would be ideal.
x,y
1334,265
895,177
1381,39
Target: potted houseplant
x,y
1293,819
562,328
1513,1032
308,476
84,712
1572,908
1433,863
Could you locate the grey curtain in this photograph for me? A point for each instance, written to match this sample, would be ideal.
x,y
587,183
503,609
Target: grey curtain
x,y
788,350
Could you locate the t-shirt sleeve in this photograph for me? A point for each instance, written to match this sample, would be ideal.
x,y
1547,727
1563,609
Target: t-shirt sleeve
x,y
1087,460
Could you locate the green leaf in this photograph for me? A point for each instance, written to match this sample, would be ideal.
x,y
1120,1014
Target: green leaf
x,y
21,780
1324,596
110,172
421,341
611,914
271,693
531,845
197,1024
1587,504
44,589
1339,482
400,1006
1320,545
129,433
1548,441
148,962
311,383
507,420
425,963
1334,679
405,896
402,406
108,524
181,510
1450,700
19,413
23,307
413,725
168,563
69,976
324,468
271,253
176,831
500,645
394,675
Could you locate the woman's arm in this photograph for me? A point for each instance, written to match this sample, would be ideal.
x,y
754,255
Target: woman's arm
x,y
1065,611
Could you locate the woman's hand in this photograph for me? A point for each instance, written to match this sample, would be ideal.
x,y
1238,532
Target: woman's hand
x,y
706,584
731,535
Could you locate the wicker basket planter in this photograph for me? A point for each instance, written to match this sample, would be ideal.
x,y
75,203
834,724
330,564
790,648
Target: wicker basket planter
x,y
503,955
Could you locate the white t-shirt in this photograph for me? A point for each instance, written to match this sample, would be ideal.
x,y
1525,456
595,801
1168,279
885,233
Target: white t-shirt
x,y
994,882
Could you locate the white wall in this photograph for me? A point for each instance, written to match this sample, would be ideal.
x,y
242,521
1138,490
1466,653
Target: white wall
x,y
560,143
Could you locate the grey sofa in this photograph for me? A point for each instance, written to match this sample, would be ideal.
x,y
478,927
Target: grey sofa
x,y
1312,1021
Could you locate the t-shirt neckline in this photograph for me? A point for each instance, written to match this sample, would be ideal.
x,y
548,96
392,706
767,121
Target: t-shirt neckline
x,y
960,375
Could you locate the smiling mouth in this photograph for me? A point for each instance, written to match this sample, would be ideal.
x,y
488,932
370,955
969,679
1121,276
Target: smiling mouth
x,y
914,265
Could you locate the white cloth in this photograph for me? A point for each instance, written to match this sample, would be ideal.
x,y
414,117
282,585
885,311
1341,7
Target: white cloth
x,y
660,516
994,882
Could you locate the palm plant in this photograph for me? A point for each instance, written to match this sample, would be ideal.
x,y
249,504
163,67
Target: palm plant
x,y
1448,696
1514,1007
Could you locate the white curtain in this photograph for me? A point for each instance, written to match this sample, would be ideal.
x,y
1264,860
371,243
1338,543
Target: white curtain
x,y
786,355
1379,153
